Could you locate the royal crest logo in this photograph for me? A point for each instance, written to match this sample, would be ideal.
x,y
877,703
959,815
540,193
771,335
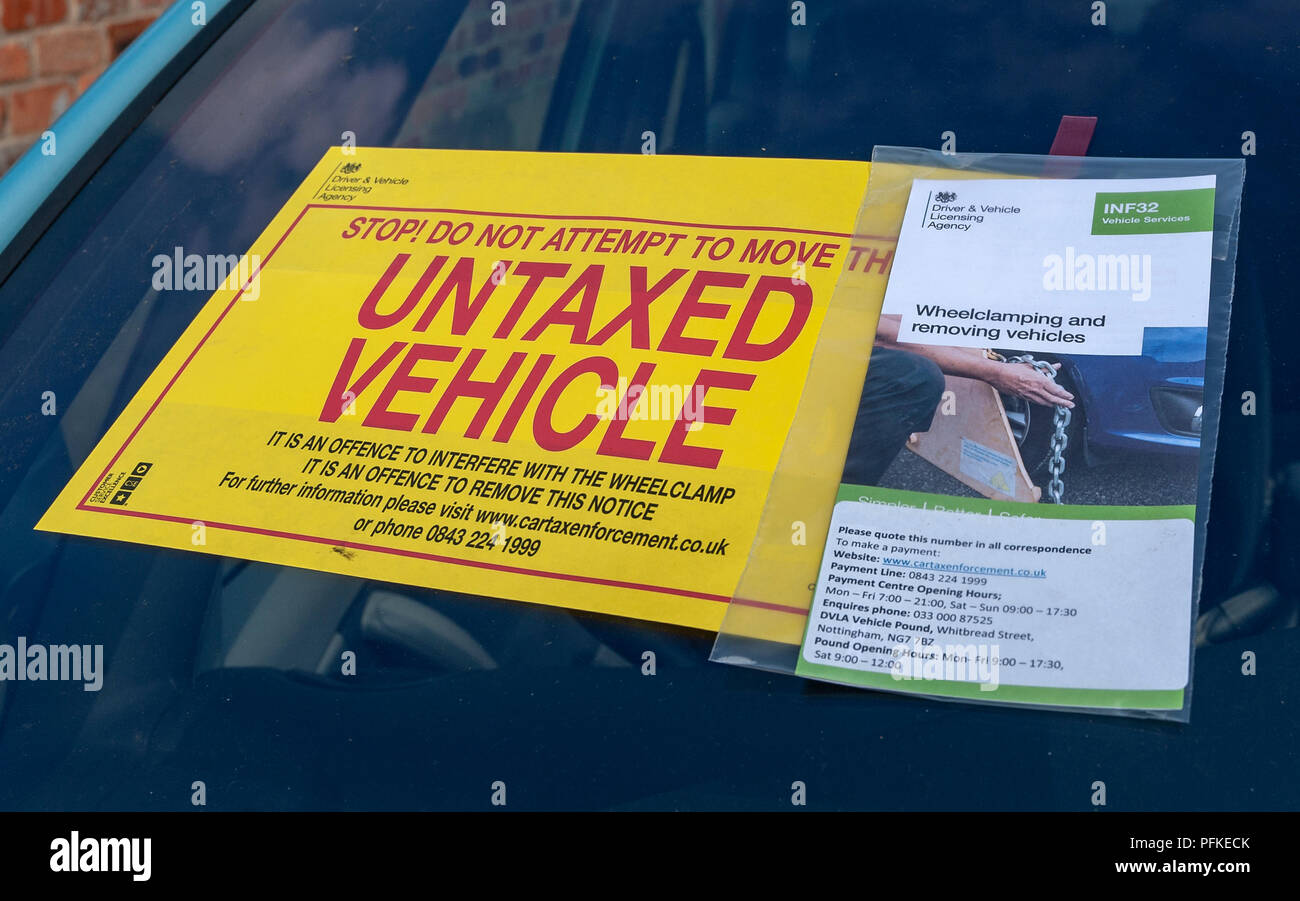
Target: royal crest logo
x,y
945,197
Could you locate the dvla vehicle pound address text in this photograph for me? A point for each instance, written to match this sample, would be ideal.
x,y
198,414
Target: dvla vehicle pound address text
x,y
1065,603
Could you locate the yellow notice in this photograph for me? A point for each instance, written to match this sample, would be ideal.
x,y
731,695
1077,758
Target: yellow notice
x,y
563,379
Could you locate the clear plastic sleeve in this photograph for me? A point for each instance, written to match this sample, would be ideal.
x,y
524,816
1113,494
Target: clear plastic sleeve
x,y
765,623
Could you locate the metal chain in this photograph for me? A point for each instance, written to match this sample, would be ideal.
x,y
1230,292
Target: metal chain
x,y
1056,465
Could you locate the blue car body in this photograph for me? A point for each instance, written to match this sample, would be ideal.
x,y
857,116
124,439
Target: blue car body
x,y
1122,396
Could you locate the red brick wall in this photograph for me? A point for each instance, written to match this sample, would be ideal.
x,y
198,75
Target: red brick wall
x,y
50,52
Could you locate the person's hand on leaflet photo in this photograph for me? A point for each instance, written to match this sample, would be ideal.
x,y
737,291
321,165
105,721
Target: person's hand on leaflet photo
x,y
1023,380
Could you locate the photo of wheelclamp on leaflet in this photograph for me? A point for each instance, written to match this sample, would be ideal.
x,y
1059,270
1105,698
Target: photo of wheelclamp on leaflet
x,y
1010,425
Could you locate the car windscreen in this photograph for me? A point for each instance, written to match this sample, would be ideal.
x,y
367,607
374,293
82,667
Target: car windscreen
x,y
222,665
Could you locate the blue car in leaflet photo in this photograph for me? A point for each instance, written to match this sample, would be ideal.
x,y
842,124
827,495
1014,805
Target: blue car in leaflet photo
x,y
1153,403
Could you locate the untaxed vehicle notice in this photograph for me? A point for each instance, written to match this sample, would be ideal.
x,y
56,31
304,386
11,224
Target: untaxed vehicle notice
x,y
563,379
